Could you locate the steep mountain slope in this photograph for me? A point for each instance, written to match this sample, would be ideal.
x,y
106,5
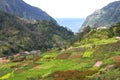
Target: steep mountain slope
x,y
82,62
107,16
20,8
18,34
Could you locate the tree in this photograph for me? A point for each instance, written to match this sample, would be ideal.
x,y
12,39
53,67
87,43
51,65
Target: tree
x,y
116,31
86,30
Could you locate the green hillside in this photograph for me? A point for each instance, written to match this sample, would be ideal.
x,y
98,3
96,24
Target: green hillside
x,y
95,57
17,35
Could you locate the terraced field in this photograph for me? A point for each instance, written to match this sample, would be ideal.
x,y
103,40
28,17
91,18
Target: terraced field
x,y
68,64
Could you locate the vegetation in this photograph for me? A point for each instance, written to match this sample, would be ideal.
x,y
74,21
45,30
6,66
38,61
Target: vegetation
x,y
75,63
17,35
93,54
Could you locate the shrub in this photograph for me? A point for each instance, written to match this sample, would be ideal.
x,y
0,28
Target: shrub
x,y
73,75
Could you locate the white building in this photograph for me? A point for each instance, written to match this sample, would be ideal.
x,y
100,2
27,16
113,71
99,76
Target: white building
x,y
102,28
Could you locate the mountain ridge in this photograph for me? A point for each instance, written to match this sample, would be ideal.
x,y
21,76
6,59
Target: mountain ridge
x,y
24,10
106,16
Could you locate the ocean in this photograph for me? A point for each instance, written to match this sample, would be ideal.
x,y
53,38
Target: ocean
x,y
73,24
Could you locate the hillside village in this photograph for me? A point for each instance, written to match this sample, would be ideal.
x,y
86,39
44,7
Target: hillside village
x,y
89,48
20,56
43,50
96,58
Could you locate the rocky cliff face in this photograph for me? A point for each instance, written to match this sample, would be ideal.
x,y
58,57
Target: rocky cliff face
x,y
107,16
22,9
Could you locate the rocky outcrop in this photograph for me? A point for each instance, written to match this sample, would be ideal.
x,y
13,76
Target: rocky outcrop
x,y
107,16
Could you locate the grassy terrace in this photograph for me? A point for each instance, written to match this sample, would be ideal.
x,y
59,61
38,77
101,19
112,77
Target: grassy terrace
x,y
87,43
76,63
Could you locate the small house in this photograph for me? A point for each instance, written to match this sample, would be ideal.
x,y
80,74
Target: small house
x,y
98,64
35,52
99,28
117,38
17,55
70,48
1,58
26,52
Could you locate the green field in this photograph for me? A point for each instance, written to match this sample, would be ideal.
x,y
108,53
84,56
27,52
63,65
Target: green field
x,y
76,63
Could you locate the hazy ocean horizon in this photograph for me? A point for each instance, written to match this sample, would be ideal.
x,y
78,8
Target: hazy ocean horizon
x,y
73,24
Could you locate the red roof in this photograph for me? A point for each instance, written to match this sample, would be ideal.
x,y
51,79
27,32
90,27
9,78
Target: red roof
x,y
98,63
17,54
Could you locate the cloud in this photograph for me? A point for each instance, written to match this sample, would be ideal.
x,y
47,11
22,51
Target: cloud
x,y
69,8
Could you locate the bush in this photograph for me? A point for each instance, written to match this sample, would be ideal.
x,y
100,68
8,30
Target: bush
x,y
116,31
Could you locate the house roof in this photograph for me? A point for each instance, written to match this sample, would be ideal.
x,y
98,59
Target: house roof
x,y
98,63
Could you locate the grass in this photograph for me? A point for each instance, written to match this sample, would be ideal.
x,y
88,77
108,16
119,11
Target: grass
x,y
105,50
98,42
88,53
48,67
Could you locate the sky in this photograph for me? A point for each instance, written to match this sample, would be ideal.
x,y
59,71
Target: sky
x,y
69,8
